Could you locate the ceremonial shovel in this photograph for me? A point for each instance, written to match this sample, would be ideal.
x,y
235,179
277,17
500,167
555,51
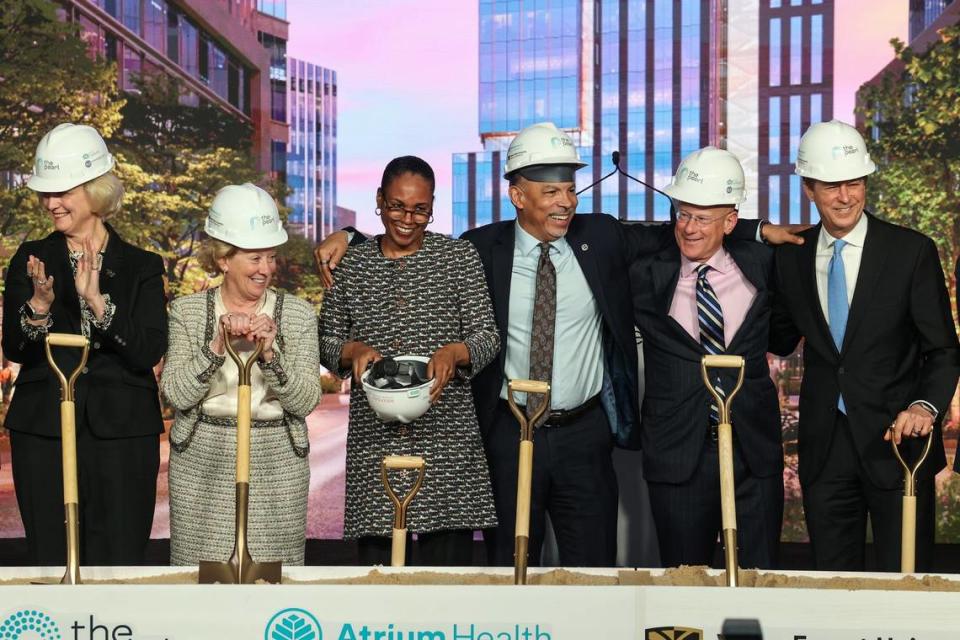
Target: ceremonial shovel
x,y
728,501
908,527
240,568
68,440
524,470
398,549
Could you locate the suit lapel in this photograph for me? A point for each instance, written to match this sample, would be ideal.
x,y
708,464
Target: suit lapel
x,y
808,271
871,265
502,270
57,264
112,265
752,271
665,273
587,258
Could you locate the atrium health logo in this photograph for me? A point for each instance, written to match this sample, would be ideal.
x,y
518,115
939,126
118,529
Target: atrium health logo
x,y
290,624
30,624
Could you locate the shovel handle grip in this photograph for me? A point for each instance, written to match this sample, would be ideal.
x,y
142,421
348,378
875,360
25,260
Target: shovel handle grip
x,y
529,386
723,362
66,340
403,462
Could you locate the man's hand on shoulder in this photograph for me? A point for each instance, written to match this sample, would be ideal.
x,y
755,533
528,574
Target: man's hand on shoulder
x,y
329,253
775,234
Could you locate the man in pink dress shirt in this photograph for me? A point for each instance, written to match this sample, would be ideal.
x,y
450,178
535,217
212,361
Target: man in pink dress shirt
x,y
708,295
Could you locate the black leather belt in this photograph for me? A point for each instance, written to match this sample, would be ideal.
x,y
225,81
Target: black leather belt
x,y
562,417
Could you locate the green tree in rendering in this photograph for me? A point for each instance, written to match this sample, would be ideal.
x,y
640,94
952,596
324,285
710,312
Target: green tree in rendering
x,y
915,113
46,78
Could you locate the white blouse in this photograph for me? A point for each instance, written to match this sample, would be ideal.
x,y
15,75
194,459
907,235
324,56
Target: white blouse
x,y
221,401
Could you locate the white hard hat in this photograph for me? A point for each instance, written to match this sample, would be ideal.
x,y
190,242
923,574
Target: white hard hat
x,y
833,152
541,144
404,404
707,177
245,216
69,155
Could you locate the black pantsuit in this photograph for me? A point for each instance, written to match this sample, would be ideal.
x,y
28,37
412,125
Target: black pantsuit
x,y
117,488
573,480
117,404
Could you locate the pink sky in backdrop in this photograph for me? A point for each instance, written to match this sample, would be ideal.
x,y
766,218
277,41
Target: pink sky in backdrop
x,y
407,74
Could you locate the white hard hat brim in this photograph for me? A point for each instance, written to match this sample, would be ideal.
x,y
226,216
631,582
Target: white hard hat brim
x,y
59,185
258,241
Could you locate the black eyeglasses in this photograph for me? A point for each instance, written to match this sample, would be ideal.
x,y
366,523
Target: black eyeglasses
x,y
397,211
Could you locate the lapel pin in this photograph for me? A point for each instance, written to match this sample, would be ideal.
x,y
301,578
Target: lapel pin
x,y
584,247
109,273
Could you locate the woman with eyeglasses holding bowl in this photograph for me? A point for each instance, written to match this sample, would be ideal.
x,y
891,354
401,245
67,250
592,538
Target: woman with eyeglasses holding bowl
x,y
409,291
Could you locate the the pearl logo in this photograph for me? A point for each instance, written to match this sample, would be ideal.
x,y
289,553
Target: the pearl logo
x,y
292,624
30,623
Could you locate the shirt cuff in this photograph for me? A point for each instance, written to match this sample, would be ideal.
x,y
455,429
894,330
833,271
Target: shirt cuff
x,y
34,333
760,226
926,405
109,310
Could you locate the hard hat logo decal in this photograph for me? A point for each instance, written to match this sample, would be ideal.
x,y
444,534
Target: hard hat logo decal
x,y
561,141
842,151
48,165
693,176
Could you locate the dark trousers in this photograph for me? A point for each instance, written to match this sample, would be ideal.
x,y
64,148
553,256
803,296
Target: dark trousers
x,y
453,548
688,515
117,482
836,505
573,481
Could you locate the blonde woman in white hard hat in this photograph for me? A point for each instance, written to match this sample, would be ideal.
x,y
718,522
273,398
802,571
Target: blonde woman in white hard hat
x,y
412,292
244,231
881,358
84,279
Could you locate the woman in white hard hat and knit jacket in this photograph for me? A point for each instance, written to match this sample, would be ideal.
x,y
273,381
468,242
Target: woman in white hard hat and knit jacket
x,y
243,229
84,279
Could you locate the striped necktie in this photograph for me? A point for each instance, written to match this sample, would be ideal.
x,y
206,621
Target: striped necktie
x,y
710,317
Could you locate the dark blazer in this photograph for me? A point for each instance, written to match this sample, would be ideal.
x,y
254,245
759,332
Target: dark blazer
x,y
676,404
604,249
900,346
117,393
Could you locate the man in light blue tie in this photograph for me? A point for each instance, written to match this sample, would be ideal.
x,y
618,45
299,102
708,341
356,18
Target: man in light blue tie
x,y
880,354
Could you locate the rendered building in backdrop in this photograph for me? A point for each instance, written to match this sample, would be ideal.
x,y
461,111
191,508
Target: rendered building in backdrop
x,y
210,45
654,80
312,150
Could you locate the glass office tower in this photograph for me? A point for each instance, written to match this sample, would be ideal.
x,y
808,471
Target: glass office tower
x,y
647,78
311,154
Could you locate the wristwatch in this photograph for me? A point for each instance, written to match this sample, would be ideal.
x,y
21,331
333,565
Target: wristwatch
x,y
32,314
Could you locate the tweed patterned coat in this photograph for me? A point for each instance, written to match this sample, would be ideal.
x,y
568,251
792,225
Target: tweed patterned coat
x,y
413,306
203,448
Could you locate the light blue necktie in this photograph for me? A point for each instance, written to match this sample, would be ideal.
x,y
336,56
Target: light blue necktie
x,y
837,306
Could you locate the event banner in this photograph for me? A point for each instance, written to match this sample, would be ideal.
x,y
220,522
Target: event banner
x,y
469,612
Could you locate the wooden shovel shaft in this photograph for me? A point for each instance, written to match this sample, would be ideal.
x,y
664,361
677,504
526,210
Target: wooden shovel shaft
x,y
908,542
728,501
524,480
243,433
68,440
398,548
